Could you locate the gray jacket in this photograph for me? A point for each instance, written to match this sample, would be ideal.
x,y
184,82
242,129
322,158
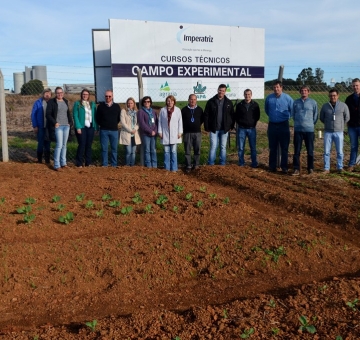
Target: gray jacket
x,y
334,119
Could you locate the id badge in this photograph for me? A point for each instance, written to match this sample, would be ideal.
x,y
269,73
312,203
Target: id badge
x,y
152,120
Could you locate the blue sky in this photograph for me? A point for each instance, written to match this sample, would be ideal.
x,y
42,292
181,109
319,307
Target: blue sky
x,y
317,33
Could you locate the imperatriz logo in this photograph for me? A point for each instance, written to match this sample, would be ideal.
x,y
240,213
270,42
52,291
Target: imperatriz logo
x,y
181,36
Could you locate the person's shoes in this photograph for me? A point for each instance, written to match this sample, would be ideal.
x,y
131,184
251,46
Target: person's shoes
x,y
64,166
284,171
195,167
340,171
350,169
296,172
188,170
271,170
58,169
325,172
80,166
311,171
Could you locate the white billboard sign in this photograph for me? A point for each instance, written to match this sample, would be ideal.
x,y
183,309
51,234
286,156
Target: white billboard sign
x,y
179,59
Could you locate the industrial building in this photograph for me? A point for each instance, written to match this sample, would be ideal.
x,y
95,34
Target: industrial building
x,y
31,73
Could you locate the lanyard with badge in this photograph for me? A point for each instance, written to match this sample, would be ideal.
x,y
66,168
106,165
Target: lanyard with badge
x,y
333,110
192,110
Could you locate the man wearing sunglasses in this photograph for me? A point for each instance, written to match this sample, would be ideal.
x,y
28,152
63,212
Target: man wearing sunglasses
x,y
108,118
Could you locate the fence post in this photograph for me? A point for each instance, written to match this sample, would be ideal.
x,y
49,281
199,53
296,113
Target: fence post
x,y
4,137
141,95
280,78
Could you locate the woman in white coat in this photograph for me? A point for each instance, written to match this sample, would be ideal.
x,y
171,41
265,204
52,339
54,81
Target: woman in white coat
x,y
129,134
170,130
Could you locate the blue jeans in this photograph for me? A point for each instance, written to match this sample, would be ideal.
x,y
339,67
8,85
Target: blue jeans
x,y
61,136
43,145
354,134
214,141
251,135
130,152
149,151
85,140
278,133
170,157
308,138
107,136
338,139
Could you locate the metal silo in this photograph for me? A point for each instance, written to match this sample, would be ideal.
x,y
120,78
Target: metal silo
x,y
19,80
40,73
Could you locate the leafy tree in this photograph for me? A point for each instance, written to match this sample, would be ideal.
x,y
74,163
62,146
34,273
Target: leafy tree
x,y
306,76
34,86
319,76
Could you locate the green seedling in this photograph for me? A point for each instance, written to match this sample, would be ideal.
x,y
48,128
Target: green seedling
x,y
178,188
91,325
29,218
114,204
25,209
156,192
106,197
339,337
323,288
67,218
213,196
80,197
161,200
305,326
137,198
225,314
275,253
202,189
188,196
272,303
30,200
56,199
246,334
100,213
226,200
35,337
126,210
89,204
177,338
199,204
60,207
175,209
275,331
352,304
148,209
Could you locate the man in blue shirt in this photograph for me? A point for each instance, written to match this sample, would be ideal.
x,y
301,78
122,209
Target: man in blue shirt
x,y
278,106
305,115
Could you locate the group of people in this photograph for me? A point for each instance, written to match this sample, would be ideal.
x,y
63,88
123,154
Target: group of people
x,y
335,115
52,121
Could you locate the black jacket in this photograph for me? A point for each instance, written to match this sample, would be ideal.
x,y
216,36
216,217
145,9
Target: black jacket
x,y
211,111
247,118
188,125
354,111
51,116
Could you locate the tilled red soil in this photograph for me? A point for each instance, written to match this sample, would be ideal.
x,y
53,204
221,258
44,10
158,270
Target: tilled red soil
x,y
222,253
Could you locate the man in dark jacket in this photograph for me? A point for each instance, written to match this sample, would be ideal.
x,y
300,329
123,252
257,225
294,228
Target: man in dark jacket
x,y
108,118
192,117
246,117
218,120
353,102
